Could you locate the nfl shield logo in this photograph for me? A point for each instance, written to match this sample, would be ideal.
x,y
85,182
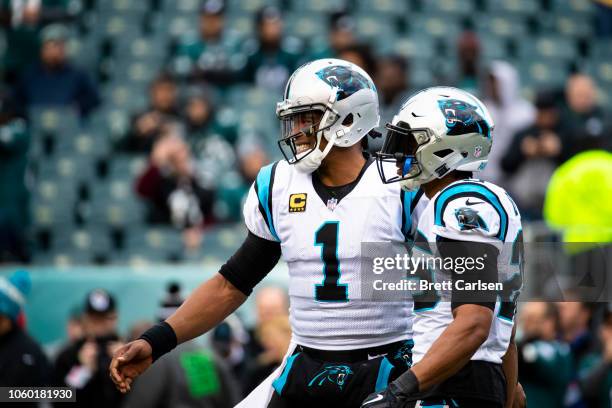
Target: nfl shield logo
x,y
331,204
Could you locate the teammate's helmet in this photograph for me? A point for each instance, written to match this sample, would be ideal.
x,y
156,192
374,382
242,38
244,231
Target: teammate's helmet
x,y
436,131
342,94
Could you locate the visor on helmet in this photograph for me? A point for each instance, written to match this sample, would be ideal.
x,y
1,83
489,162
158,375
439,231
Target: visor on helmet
x,y
299,129
399,148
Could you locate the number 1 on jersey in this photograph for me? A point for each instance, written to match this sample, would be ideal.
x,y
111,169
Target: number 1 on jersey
x,y
330,290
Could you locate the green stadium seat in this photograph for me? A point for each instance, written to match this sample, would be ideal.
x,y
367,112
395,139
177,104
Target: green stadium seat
x,y
250,6
421,47
502,26
142,48
372,28
122,7
455,7
244,25
383,7
130,96
525,7
548,47
575,25
124,167
573,6
543,74
306,26
316,6
436,27
493,48
57,120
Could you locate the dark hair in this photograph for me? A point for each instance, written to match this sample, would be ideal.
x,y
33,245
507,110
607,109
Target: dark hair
x,y
365,52
341,20
461,175
546,100
401,62
266,13
163,78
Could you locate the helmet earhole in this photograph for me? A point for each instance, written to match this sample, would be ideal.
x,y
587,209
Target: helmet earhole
x,y
348,121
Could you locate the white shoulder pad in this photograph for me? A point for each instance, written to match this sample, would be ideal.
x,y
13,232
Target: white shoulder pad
x,y
470,212
258,210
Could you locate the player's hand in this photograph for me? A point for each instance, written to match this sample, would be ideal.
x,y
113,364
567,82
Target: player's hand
x,y
520,399
129,362
390,397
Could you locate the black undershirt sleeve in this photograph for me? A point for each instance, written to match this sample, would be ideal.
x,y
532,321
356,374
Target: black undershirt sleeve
x,y
482,269
251,263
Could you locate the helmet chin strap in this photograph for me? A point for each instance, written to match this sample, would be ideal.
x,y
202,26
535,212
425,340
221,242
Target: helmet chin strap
x,y
313,160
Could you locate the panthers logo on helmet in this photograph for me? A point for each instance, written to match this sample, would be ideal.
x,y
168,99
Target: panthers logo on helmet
x,y
347,80
462,118
333,374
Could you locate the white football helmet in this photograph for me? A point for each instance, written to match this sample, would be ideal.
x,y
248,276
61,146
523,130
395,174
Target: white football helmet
x,y
342,94
436,131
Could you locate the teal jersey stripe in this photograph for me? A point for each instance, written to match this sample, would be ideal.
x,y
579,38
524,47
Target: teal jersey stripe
x,y
407,198
280,382
383,374
264,183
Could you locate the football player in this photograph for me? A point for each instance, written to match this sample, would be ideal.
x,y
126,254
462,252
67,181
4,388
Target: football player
x,y
313,209
464,317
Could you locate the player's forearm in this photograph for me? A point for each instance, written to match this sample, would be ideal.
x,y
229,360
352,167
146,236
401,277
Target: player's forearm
x,y
207,306
510,367
454,348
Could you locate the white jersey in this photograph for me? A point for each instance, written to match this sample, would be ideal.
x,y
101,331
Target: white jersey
x,y
321,244
475,211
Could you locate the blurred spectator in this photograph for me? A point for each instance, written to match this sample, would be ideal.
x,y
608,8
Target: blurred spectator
x,y
271,302
14,193
22,361
73,333
468,53
596,369
215,55
604,18
20,20
202,118
341,35
545,364
272,58
575,323
391,79
275,336
510,113
171,187
74,325
54,81
189,376
267,338
147,126
214,140
584,120
533,155
84,364
575,319
228,341
360,55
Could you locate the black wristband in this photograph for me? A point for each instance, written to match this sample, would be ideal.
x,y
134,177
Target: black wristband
x,y
162,339
407,383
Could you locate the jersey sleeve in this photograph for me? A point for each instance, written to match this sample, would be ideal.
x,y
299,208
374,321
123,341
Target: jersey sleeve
x,y
258,210
470,212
